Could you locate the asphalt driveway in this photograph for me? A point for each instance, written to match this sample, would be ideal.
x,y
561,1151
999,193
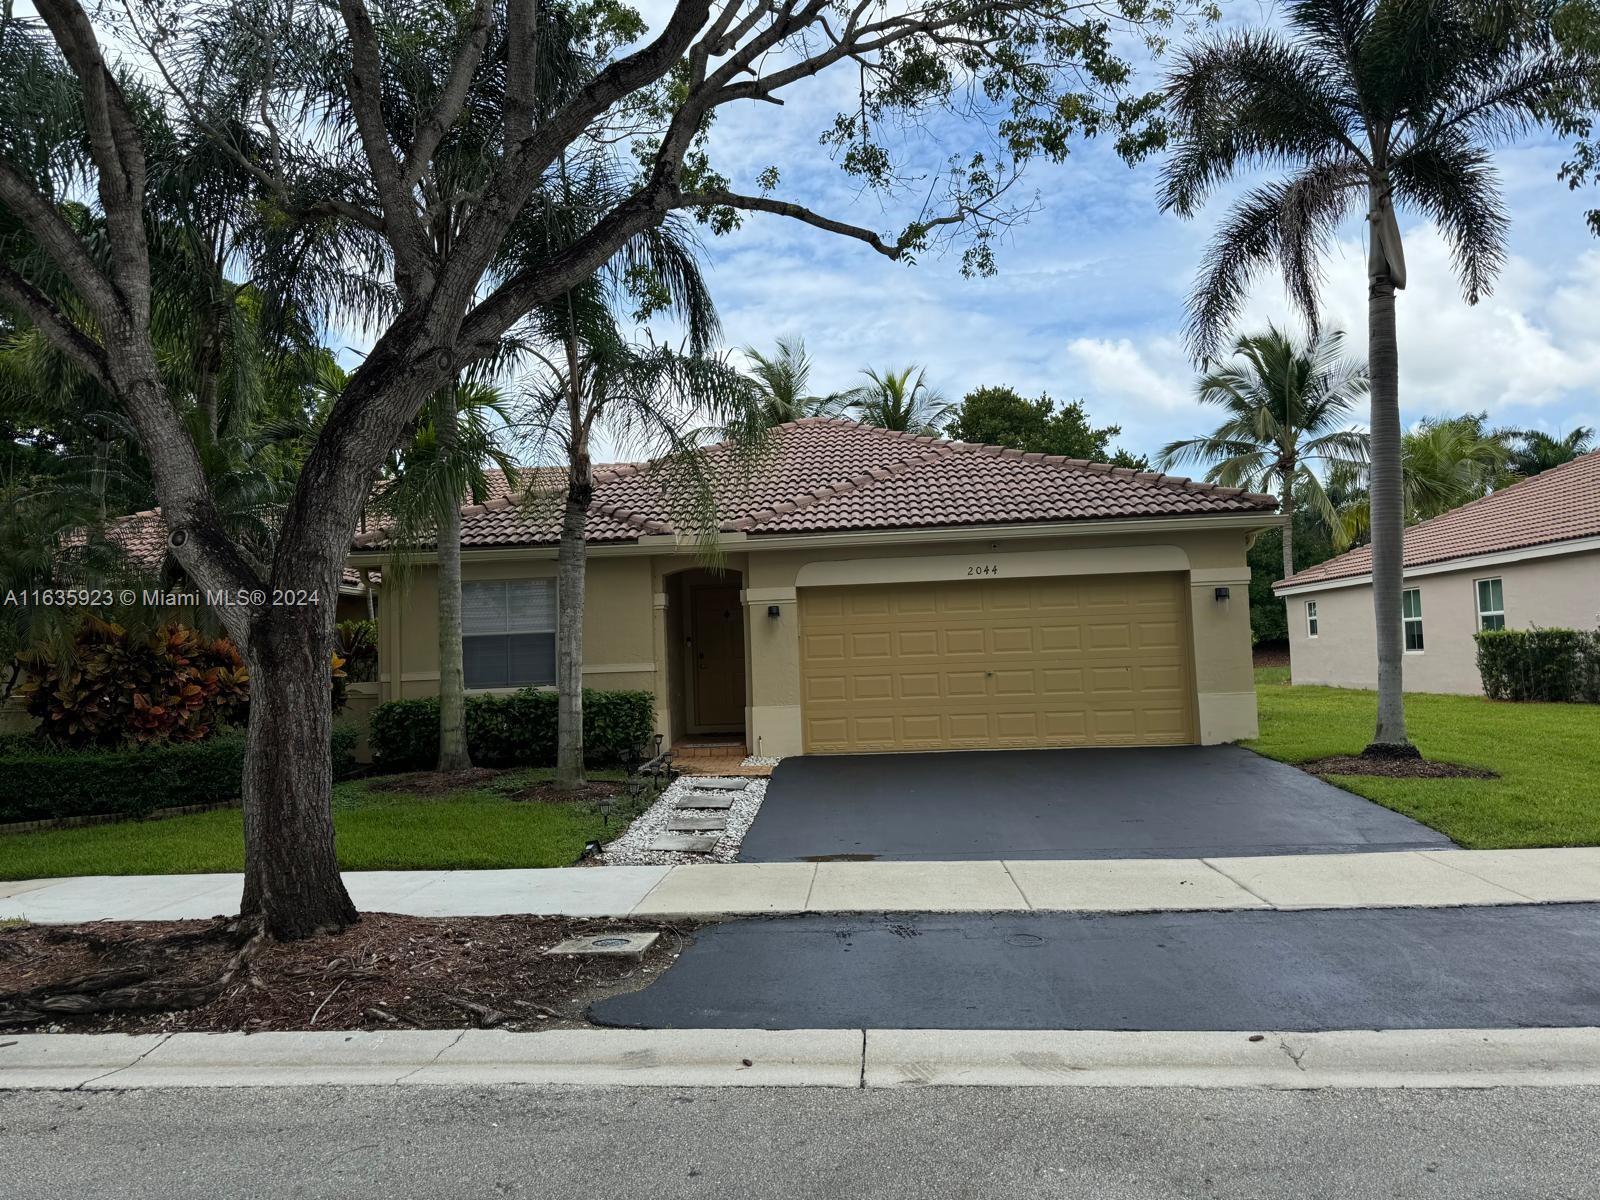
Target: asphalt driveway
x,y
1171,802
1434,968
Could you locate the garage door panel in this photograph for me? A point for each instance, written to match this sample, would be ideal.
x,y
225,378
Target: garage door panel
x,y
997,663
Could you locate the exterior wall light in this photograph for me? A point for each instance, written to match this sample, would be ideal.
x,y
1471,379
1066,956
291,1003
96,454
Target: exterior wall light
x,y
772,610
1222,593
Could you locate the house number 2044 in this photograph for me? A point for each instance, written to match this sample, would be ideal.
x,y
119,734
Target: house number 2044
x,y
982,569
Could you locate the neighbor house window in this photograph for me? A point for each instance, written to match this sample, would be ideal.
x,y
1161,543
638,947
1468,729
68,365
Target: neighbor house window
x,y
1311,618
1491,605
1411,616
508,633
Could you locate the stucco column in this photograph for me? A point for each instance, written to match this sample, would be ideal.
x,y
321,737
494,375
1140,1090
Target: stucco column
x,y
772,721
1223,674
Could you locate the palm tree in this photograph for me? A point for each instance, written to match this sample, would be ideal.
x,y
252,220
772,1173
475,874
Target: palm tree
x,y
782,378
1287,405
649,397
454,443
896,400
1537,451
1367,105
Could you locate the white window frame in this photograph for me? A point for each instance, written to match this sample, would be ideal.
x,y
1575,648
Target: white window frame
x,y
1406,621
555,609
1477,601
1313,624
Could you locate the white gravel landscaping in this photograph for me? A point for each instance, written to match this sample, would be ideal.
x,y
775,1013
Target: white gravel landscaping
x,y
755,760
632,848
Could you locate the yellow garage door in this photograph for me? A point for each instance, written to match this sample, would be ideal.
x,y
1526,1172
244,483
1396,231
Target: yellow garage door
x,y
1079,661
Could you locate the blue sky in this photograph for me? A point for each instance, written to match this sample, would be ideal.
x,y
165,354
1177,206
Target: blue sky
x,y
1088,302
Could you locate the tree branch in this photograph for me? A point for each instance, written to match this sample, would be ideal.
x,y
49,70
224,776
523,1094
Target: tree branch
x,y
451,101
60,241
42,313
402,226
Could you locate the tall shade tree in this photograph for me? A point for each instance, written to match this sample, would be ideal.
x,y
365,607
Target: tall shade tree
x,y
334,113
784,380
1286,407
901,400
1361,106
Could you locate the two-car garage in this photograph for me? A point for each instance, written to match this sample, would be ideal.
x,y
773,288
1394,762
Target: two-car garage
x,y
1078,660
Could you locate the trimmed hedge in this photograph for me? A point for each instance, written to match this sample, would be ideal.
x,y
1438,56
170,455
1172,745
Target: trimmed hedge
x,y
513,730
43,782
49,782
1561,665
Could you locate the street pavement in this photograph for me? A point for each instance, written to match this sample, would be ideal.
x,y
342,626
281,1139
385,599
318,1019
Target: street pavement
x,y
786,1144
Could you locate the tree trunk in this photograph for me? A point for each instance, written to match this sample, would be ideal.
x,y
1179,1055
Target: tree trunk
x,y
571,569
1387,526
1287,508
291,878
453,754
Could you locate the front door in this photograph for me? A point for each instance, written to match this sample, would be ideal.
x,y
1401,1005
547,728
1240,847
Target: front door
x,y
717,644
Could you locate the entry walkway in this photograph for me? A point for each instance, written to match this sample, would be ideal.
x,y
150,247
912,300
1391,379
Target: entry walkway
x,y
1426,879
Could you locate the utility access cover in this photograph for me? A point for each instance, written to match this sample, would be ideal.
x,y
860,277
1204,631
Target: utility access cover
x,y
618,944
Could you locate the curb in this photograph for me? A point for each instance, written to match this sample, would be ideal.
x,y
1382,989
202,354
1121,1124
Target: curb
x,y
840,1058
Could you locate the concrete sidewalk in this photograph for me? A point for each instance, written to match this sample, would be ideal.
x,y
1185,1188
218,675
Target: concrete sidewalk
x,y
1427,879
836,1058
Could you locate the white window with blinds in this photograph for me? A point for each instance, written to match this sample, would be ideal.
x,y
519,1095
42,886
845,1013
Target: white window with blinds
x,y
508,633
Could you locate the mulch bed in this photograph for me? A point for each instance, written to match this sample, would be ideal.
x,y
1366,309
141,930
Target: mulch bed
x,y
591,792
434,783
386,972
1271,654
1393,768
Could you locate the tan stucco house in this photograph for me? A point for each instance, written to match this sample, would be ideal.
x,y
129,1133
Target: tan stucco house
x,y
1527,555
875,591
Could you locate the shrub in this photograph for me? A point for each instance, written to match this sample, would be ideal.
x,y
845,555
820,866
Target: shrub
x,y
171,685
42,782
53,781
1540,664
518,729
358,646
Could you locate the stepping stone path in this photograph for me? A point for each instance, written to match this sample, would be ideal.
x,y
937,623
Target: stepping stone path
x,y
699,834
696,824
705,800
686,843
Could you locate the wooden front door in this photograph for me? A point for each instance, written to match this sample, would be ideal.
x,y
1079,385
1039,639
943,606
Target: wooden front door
x,y
716,644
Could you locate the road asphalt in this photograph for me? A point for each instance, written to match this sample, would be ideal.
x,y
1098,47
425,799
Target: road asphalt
x,y
1447,968
1162,802
784,1144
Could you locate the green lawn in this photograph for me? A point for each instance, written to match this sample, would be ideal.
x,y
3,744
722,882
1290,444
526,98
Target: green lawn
x,y
377,830
1547,756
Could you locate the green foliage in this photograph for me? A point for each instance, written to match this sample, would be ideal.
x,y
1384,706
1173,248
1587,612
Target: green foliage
x,y
114,686
1561,665
1000,416
900,400
516,729
343,747
358,646
1312,545
44,782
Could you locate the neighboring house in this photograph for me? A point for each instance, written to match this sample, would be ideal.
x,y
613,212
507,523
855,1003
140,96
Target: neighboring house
x,y
1526,555
875,591
143,539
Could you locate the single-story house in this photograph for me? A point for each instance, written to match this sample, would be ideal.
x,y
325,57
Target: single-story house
x,y
1526,555
871,591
